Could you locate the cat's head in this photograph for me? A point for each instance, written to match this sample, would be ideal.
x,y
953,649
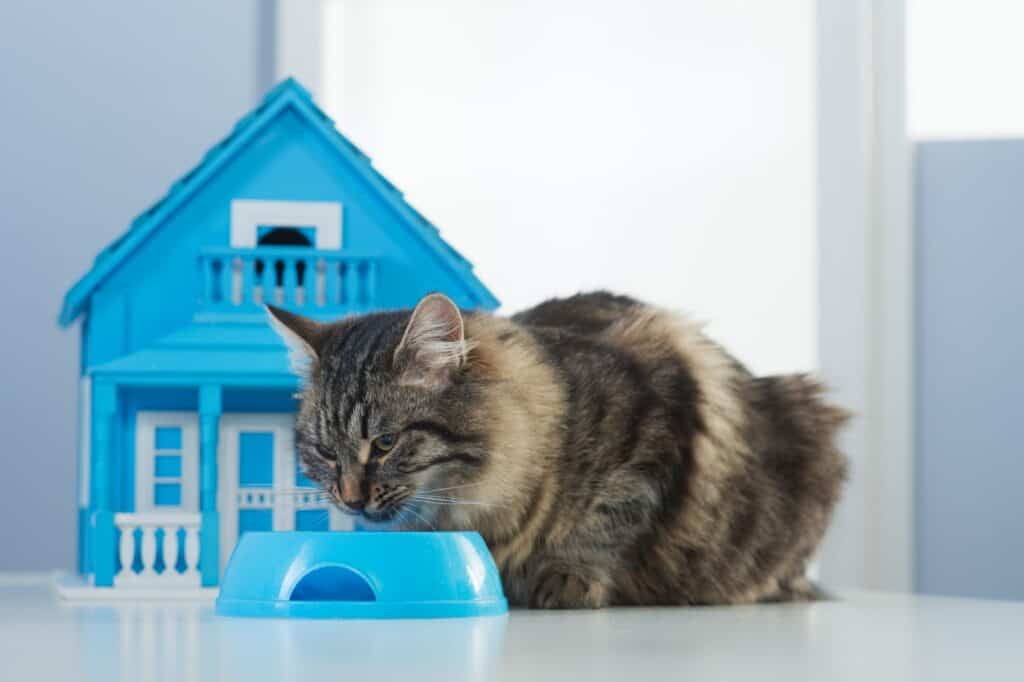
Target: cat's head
x,y
393,422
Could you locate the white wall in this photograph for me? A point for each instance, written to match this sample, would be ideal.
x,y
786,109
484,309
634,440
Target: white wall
x,y
665,150
964,68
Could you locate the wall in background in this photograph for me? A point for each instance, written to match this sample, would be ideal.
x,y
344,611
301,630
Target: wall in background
x,y
105,104
969,376
961,59
664,150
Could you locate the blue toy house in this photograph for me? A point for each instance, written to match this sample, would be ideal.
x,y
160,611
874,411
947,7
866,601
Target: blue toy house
x,y
186,393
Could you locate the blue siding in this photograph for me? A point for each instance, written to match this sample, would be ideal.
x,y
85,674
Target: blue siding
x,y
237,400
969,374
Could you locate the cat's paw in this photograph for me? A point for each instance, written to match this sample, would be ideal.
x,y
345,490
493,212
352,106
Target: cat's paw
x,y
564,591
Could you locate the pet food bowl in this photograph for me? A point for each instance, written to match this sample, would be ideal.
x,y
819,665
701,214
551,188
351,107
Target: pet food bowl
x,y
361,575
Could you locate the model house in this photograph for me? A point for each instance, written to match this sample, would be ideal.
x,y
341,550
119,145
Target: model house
x,y
186,393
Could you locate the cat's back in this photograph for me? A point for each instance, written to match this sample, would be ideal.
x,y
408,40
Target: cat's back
x,y
586,314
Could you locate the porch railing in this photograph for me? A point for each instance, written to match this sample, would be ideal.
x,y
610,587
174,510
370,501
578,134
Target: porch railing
x,y
242,280
158,549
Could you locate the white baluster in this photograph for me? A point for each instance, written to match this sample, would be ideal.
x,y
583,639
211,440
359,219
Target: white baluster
x,y
148,546
191,550
148,553
170,550
236,266
126,550
320,286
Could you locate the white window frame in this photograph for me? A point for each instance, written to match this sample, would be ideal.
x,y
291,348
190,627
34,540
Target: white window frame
x,y
248,215
146,424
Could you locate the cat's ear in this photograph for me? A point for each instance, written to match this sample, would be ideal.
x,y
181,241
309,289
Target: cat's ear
x,y
302,335
434,347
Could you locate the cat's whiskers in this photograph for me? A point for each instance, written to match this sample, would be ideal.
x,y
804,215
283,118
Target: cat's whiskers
x,y
420,516
452,502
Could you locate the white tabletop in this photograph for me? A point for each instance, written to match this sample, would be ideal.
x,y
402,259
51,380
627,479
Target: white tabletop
x,y
864,637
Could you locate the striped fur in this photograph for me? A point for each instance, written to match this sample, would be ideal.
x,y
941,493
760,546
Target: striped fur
x,y
608,451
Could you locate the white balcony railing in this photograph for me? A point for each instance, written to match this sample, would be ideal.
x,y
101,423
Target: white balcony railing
x,y
158,549
242,280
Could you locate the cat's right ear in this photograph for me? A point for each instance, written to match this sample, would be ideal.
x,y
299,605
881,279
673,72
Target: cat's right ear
x,y
434,346
302,335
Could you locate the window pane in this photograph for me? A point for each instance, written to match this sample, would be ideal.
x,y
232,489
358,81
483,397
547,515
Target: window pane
x,y
168,438
167,494
167,465
256,458
254,519
311,519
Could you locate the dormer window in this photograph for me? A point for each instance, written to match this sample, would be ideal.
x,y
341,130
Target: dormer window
x,y
273,225
285,223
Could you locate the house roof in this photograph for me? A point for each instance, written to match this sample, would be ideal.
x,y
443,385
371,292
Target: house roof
x,y
287,94
227,353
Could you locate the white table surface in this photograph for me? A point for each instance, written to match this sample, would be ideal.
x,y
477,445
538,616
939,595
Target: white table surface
x,y
864,636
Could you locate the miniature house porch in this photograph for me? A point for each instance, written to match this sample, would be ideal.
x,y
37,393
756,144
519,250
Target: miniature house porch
x,y
180,472
186,394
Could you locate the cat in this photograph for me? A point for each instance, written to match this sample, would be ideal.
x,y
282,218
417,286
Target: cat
x,y
608,452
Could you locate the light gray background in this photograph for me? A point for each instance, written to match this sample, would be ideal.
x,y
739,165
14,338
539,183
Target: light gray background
x,y
104,104
969,374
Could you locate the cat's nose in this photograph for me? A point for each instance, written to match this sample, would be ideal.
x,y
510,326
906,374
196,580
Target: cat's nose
x,y
355,504
351,492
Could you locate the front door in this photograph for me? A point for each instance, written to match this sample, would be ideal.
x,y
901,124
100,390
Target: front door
x,y
260,485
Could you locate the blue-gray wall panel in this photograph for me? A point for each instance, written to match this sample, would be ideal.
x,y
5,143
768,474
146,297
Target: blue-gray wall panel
x,y
104,105
970,368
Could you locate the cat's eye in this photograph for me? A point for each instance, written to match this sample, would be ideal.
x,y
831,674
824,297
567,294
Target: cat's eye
x,y
385,442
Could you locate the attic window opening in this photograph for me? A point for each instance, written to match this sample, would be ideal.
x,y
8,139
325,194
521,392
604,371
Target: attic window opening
x,y
284,235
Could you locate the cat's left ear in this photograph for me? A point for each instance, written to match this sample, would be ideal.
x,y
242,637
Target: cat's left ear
x,y
434,347
302,335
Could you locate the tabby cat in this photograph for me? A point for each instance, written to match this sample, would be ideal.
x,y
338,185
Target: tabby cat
x,y
607,451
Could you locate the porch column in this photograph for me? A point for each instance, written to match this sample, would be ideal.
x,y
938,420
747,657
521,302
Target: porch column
x,y
104,411
209,534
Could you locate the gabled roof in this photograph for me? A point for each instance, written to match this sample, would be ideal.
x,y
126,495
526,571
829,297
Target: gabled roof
x,y
287,94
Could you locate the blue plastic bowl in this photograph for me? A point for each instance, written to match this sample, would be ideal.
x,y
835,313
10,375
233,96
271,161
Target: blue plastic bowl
x,y
361,575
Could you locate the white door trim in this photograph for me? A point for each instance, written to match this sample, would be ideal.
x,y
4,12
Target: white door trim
x,y
146,423
231,425
866,285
